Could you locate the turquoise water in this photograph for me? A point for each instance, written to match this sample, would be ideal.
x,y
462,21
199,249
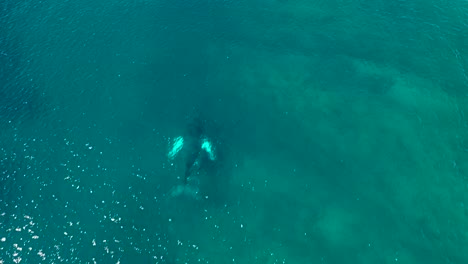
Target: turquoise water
x,y
340,129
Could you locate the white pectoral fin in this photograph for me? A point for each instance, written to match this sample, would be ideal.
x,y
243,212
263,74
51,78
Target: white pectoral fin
x,y
177,145
208,147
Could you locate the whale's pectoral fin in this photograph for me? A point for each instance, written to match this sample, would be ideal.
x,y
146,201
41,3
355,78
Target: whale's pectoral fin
x,y
208,147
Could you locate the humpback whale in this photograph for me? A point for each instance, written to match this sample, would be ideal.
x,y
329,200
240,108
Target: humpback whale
x,y
195,149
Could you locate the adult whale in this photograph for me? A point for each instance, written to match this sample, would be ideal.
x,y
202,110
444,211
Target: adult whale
x,y
196,151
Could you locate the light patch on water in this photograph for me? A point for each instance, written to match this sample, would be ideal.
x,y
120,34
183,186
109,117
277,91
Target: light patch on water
x,y
187,190
41,254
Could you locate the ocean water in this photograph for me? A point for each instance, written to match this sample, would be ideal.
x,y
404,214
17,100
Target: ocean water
x,y
340,129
